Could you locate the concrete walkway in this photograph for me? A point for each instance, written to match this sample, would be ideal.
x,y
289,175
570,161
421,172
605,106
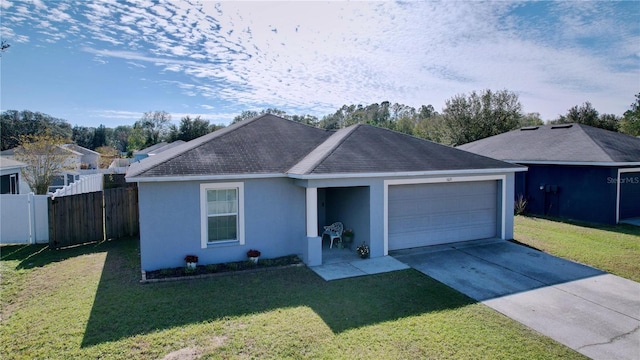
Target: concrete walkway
x,y
358,267
590,311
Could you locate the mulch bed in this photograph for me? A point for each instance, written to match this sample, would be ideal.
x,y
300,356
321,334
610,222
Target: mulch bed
x,y
200,271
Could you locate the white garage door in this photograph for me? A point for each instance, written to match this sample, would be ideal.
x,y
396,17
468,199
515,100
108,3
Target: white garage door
x,y
431,214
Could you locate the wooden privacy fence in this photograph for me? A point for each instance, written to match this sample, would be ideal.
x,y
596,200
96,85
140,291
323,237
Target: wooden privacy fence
x,y
96,216
121,212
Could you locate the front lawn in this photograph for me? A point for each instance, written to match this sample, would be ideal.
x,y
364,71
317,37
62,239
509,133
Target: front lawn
x,y
87,303
612,248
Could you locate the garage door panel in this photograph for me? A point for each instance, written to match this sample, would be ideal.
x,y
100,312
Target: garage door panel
x,y
431,214
443,220
437,237
453,204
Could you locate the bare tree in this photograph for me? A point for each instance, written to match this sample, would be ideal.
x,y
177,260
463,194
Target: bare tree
x,y
45,159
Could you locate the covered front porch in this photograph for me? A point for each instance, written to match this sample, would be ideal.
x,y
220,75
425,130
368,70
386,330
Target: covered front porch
x,y
349,205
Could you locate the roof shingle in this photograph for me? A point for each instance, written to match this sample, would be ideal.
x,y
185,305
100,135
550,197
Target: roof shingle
x,y
564,143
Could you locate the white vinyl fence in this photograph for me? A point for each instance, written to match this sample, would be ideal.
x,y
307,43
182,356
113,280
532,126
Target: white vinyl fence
x,y
24,219
86,184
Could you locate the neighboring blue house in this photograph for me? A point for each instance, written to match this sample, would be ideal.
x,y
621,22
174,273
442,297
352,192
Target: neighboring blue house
x,y
573,170
271,184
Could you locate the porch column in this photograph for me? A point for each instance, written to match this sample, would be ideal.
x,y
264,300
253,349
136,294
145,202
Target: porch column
x,y
312,212
312,254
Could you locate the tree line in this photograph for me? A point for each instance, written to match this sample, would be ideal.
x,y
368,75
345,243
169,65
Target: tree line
x,y
464,118
152,128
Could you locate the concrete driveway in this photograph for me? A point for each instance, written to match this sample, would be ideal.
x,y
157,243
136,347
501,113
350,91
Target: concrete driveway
x,y
590,311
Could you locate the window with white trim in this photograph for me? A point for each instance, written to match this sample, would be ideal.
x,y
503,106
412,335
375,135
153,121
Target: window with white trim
x,y
222,213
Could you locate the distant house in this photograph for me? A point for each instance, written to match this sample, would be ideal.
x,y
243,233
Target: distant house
x,y
79,159
272,184
118,166
10,175
575,171
89,159
155,149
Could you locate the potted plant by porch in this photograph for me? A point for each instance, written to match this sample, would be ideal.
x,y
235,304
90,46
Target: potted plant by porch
x,y
253,255
192,261
347,237
363,250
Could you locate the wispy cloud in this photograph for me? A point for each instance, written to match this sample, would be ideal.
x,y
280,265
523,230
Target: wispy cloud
x,y
214,117
317,56
116,114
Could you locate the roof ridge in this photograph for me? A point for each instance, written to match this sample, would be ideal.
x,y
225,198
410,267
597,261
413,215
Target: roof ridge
x,y
322,151
596,143
151,162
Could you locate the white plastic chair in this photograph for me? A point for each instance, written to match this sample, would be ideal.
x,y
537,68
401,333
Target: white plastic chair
x,y
334,231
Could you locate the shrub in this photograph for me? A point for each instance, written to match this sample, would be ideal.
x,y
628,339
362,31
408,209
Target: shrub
x,y
520,206
212,268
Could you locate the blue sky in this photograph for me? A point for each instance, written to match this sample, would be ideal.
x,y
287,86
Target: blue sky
x,y
107,62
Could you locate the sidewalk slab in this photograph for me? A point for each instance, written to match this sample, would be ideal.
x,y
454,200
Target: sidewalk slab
x,y
360,267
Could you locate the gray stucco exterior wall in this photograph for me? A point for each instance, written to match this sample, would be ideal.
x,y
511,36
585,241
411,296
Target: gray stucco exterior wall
x,y
274,211
350,205
274,217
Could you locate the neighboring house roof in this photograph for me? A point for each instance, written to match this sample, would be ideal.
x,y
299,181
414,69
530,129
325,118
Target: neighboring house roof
x,y
165,147
156,149
11,152
80,149
270,145
566,143
10,164
150,148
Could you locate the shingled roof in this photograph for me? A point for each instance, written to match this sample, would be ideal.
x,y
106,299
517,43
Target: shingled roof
x,y
566,143
270,145
372,150
264,145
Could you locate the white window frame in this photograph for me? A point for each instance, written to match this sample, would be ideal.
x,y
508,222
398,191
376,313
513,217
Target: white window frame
x,y
204,222
13,183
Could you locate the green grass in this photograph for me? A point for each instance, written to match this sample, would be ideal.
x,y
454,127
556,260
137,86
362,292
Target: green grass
x,y
87,302
612,248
